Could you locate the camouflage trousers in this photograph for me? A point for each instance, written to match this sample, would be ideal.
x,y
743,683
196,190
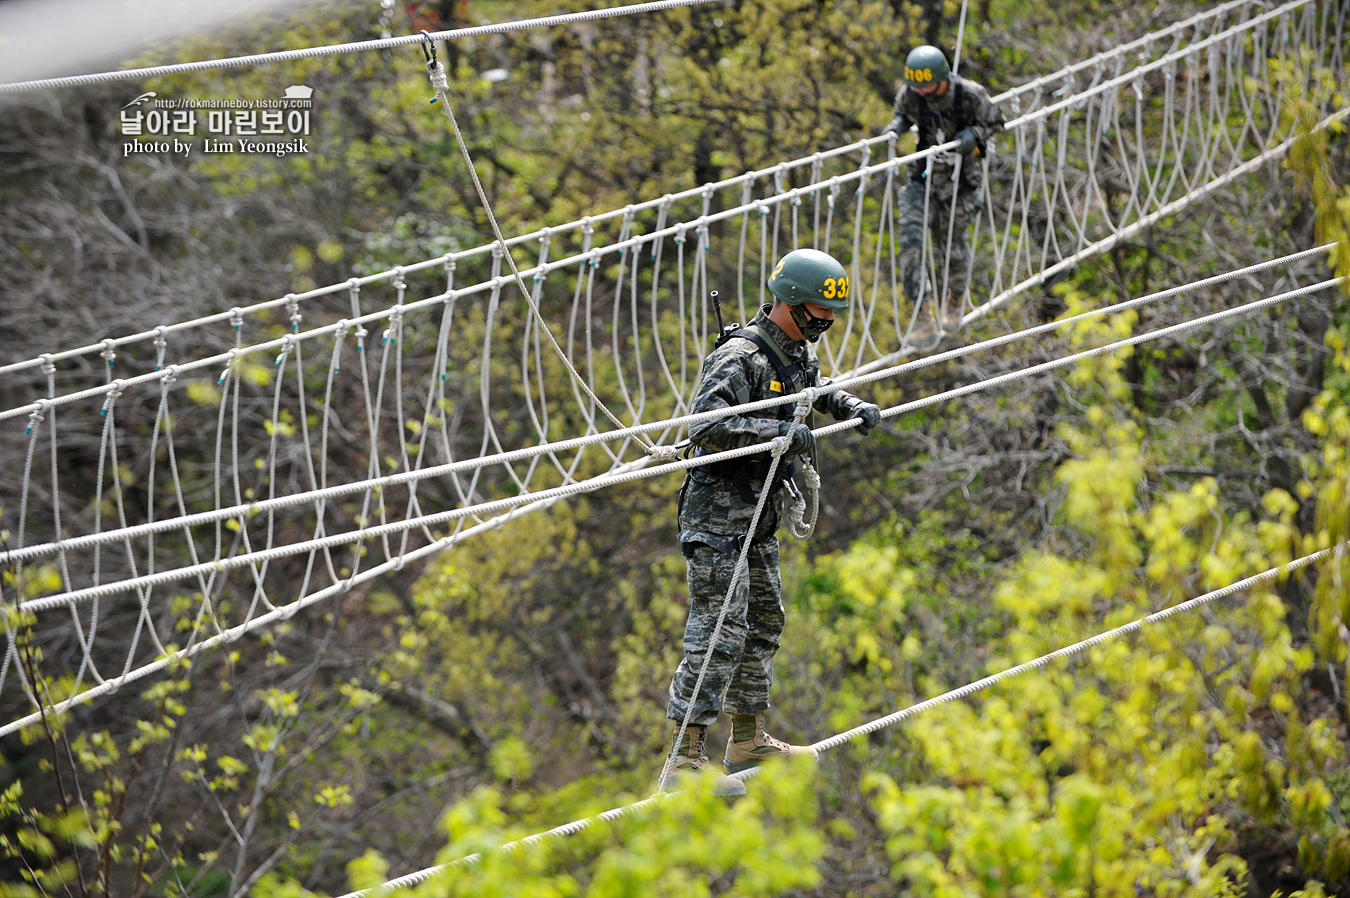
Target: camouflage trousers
x,y
742,658
954,269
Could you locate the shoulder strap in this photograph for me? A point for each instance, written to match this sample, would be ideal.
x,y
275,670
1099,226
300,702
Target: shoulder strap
x,y
787,371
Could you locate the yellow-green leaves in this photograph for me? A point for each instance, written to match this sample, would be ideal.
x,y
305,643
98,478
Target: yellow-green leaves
x,y
762,844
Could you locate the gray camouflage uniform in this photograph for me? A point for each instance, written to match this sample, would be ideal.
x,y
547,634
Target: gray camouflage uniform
x,y
938,121
714,516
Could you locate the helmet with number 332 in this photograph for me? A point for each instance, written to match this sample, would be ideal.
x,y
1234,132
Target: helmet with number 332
x,y
808,275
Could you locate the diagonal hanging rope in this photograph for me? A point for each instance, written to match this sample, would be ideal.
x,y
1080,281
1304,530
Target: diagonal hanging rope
x,y
441,85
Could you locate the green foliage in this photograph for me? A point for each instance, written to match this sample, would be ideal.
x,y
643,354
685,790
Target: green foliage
x,y
1134,770
763,844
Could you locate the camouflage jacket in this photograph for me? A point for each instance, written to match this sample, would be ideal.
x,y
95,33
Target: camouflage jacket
x,y
712,506
939,118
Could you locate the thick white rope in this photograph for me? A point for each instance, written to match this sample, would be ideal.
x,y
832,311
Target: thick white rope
x,y
538,500
219,565
320,496
388,43
872,726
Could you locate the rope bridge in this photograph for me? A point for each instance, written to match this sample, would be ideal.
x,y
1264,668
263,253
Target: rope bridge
x,y
182,495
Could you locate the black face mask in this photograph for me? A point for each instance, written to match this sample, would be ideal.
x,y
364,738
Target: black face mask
x,y
810,326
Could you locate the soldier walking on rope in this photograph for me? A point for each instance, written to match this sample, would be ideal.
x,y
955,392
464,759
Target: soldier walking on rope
x,y
769,357
945,107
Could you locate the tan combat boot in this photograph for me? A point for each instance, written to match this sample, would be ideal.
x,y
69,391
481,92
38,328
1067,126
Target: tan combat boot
x,y
692,759
756,745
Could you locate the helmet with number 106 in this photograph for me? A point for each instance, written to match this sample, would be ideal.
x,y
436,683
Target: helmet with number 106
x,y
808,275
926,65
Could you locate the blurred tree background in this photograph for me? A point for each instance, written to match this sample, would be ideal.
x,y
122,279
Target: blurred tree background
x,y
519,681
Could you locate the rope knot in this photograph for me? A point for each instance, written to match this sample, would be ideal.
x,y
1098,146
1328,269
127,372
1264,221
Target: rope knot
x,y
109,352
395,325
229,366
293,306
338,336
287,344
436,72
237,319
170,376
38,415
806,400
810,475
664,453
48,363
798,525
118,386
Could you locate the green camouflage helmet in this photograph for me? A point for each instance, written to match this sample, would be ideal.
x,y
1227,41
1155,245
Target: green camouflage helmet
x,y
808,275
926,65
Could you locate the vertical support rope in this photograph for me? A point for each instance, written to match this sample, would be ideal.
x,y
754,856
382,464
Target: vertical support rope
x,y
441,85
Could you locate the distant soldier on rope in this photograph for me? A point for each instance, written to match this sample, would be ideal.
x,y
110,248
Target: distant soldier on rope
x,y
945,107
769,357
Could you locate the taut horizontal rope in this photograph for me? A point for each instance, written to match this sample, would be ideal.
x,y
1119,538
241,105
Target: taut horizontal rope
x,y
166,525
